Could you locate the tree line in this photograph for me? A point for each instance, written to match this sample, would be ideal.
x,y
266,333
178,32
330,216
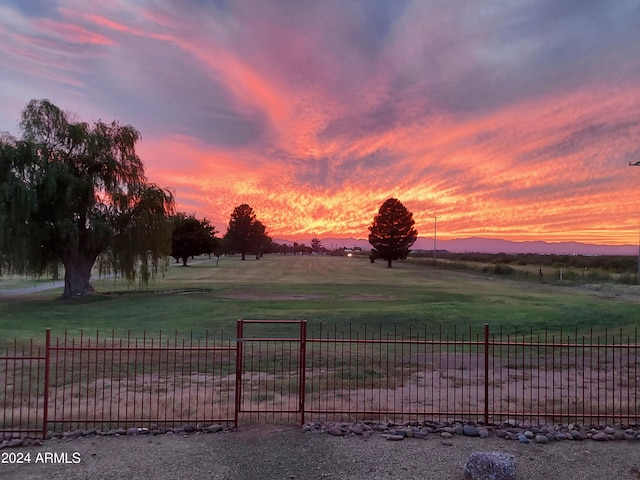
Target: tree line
x,y
75,194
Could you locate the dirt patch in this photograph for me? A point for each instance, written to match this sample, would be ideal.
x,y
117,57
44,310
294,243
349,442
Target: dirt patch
x,y
609,291
363,297
274,296
306,296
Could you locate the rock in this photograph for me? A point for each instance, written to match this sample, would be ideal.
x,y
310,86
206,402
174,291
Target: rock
x,y
523,439
600,437
447,443
619,435
501,433
213,428
483,432
392,437
459,429
560,436
419,435
490,466
446,435
15,442
132,431
529,434
356,430
188,428
609,430
335,431
576,435
541,438
470,431
120,431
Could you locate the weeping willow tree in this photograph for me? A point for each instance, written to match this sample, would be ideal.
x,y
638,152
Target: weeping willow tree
x,y
75,193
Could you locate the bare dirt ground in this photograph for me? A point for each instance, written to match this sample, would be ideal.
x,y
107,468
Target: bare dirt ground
x,y
271,452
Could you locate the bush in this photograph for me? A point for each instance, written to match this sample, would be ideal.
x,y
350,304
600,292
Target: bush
x,y
499,269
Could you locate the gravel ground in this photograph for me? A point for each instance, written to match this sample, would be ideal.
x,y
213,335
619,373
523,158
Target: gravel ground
x,y
271,452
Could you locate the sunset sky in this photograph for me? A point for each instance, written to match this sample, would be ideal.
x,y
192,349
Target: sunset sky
x,y
506,119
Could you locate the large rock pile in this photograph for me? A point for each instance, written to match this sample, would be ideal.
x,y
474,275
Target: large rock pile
x,y
509,430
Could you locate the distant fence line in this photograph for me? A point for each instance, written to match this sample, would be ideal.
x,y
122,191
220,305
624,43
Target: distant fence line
x,y
330,375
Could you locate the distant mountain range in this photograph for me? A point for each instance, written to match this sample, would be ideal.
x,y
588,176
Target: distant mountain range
x,y
488,245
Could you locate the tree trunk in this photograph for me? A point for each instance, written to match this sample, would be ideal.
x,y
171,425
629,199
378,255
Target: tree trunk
x,y
242,255
389,263
184,261
77,266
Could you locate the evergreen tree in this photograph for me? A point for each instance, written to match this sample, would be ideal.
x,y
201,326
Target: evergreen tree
x,y
392,233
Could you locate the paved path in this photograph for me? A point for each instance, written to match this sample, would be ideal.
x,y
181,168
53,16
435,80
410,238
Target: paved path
x,y
15,292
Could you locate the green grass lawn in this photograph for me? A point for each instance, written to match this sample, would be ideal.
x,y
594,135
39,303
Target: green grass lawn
x,y
328,290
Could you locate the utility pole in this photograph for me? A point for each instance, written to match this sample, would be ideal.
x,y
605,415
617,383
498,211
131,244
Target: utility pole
x,y
637,164
435,229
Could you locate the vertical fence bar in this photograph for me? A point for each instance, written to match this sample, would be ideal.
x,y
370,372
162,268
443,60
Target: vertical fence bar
x,y
303,366
47,372
239,354
486,373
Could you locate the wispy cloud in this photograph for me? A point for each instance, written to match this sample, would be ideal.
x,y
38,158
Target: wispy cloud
x,y
512,121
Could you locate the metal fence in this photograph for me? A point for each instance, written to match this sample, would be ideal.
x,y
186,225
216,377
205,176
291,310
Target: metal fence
x,y
277,371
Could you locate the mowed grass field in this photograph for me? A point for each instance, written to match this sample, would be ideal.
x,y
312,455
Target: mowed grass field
x,y
349,292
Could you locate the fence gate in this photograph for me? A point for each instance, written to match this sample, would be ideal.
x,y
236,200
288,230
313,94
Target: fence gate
x,y
270,370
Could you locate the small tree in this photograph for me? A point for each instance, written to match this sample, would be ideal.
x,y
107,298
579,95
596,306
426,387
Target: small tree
x,y
392,232
72,193
191,237
316,245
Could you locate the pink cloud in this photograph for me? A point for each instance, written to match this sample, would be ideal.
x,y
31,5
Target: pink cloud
x,y
70,33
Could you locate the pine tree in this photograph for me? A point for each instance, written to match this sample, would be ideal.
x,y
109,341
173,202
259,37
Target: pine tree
x,y
392,232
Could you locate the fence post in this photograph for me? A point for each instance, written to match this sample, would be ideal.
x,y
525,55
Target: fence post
x,y
47,359
303,367
486,373
239,355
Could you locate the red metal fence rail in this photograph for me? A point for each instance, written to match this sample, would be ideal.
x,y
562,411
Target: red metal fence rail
x,y
277,371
